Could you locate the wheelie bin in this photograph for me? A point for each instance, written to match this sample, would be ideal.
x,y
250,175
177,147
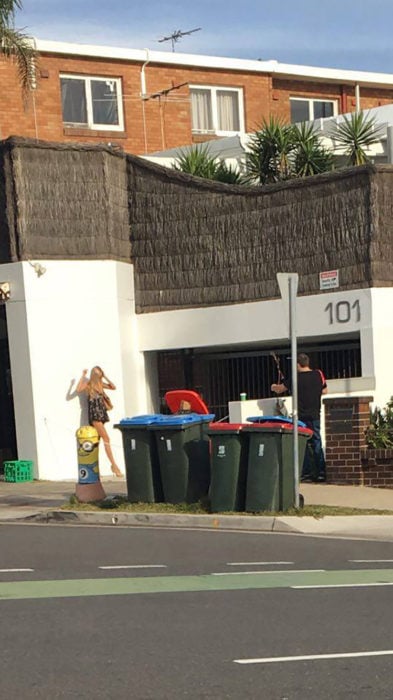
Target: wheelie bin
x,y
183,454
270,473
228,460
141,459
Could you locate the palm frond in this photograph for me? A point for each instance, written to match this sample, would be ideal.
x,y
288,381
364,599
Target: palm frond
x,y
17,45
8,9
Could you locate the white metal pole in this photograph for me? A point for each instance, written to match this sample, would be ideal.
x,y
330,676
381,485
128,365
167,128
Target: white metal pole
x,y
292,325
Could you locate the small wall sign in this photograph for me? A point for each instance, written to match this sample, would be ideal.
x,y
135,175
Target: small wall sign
x,y
328,279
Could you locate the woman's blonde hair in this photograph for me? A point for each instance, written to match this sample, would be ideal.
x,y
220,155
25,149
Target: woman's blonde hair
x,y
94,385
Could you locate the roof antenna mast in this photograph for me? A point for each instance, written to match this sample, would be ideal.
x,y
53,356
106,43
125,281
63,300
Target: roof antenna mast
x,y
177,35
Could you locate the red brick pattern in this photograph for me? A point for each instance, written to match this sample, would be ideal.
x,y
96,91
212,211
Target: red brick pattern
x,y
159,123
377,468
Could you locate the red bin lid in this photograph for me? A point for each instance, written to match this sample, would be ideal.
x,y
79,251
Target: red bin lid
x,y
175,397
226,426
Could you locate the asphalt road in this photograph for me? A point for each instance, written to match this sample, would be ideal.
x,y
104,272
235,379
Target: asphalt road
x,y
196,615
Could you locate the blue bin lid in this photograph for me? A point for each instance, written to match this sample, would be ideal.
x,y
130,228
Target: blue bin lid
x,y
181,419
275,419
204,417
142,420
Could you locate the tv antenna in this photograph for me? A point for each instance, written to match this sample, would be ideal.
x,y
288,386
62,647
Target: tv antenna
x,y
177,35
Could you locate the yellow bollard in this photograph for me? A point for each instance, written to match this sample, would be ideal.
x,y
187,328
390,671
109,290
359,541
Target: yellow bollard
x,y
89,487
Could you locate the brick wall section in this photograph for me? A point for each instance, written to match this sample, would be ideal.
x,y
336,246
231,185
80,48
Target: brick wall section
x,y
346,422
377,468
156,124
344,95
348,460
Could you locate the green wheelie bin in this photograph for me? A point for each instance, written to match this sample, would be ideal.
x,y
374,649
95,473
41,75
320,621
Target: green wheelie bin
x,y
228,462
270,474
183,453
141,459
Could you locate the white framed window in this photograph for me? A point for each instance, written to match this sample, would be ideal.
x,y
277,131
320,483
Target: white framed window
x,y
306,110
92,102
216,110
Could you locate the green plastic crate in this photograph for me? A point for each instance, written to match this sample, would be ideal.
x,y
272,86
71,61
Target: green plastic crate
x,y
19,470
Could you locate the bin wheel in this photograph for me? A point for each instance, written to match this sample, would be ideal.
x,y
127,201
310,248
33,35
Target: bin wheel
x,y
301,501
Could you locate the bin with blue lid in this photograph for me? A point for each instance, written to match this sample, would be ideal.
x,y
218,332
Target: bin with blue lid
x,y
228,459
141,459
270,473
183,453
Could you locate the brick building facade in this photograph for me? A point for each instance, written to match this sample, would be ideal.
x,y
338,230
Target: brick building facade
x,y
150,101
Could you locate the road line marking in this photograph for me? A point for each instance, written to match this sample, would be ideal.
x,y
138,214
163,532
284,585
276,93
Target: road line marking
x,y
370,561
313,657
274,571
135,566
259,563
12,571
345,585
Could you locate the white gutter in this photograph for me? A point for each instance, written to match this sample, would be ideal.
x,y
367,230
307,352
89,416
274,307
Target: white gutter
x,y
284,70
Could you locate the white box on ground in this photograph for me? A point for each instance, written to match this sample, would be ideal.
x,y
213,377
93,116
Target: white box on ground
x,y
239,411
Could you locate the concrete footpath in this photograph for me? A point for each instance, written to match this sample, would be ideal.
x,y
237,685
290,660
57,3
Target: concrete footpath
x,y
41,501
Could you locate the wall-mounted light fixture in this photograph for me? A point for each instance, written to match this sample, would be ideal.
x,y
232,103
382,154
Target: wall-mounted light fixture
x,y
5,291
38,268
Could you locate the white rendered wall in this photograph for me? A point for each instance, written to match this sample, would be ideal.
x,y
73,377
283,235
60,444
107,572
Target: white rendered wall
x,y
381,344
81,313
76,315
256,322
334,315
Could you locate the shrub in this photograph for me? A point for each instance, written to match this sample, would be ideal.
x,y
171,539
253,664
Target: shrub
x,y
379,434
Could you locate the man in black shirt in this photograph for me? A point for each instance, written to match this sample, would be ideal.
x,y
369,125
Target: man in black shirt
x,y
311,384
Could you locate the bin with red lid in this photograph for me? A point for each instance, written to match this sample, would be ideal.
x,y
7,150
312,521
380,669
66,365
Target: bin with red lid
x,y
228,466
270,471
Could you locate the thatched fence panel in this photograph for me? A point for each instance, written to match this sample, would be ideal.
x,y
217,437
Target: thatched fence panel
x,y
205,243
193,242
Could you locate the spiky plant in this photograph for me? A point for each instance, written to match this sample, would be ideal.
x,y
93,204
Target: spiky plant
x,y
200,162
269,152
228,173
17,45
355,134
197,161
310,157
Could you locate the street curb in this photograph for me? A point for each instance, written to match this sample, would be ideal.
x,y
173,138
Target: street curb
x,y
366,526
212,522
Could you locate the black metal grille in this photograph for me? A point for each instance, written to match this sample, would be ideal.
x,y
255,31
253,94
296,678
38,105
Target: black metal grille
x,y
221,376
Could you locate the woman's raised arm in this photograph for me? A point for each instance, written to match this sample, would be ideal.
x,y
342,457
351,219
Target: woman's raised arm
x,y
82,384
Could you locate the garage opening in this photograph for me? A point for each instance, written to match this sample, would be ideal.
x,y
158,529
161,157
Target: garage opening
x,y
221,376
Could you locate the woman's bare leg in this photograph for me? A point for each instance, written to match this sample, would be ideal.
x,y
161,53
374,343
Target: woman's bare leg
x,y
101,430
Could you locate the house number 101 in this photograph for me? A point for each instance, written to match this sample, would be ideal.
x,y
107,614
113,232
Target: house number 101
x,y
343,312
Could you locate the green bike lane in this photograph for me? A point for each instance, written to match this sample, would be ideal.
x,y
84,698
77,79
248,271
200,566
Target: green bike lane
x,y
85,587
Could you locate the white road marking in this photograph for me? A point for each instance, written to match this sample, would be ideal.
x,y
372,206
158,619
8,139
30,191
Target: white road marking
x,y
259,563
273,571
12,571
136,566
313,657
370,561
345,585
